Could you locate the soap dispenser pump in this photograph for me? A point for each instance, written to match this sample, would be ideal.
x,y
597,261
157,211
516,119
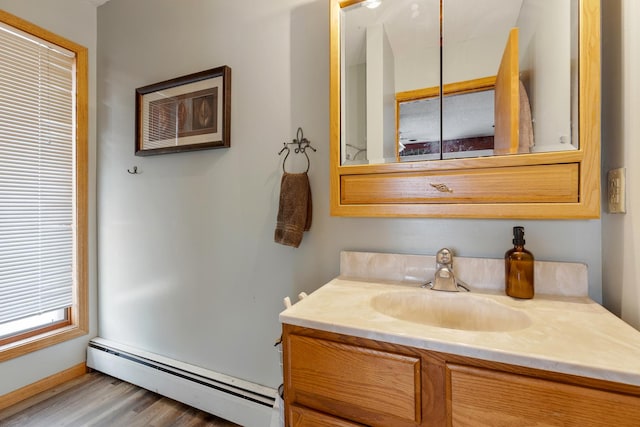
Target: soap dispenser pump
x,y
518,264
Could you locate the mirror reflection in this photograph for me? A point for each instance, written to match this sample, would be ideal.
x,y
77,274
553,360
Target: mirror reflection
x,y
467,121
507,74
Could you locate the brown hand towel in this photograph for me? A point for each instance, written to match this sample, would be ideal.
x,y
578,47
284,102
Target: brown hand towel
x,y
294,212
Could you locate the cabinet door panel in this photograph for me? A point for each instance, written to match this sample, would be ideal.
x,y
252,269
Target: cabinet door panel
x,y
481,397
303,417
361,384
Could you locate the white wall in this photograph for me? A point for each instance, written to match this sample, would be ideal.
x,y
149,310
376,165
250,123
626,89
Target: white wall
x,y
621,133
355,114
380,96
388,101
547,72
75,20
423,70
188,266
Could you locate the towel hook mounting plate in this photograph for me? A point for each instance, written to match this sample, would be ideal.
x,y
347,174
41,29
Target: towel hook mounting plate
x,y
301,144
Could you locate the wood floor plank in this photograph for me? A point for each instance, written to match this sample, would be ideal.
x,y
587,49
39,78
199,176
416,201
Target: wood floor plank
x,y
160,414
118,396
74,409
99,400
41,386
44,407
34,400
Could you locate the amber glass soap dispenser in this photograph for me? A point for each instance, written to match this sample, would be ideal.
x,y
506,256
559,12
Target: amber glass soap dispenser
x,y
518,263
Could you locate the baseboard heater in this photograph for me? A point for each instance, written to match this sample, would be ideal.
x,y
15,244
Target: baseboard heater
x,y
233,399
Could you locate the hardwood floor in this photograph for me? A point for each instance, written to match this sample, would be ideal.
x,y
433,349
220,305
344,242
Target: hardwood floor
x,y
96,399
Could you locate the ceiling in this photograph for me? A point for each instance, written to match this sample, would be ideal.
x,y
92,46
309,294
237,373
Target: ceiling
x,y
413,25
97,2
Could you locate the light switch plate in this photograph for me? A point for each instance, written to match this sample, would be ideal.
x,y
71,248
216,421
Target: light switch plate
x,y
616,190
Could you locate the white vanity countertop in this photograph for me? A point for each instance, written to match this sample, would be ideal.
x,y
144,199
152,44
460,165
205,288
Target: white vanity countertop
x,y
572,335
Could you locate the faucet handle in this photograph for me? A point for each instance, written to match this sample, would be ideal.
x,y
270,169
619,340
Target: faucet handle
x,y
444,257
428,285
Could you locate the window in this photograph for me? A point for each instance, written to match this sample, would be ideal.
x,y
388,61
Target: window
x,y
43,188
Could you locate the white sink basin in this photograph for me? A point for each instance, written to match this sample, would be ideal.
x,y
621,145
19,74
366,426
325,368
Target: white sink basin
x,y
452,310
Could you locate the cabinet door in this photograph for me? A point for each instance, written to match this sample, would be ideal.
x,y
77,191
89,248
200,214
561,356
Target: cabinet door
x,y
507,106
527,204
374,387
303,417
482,397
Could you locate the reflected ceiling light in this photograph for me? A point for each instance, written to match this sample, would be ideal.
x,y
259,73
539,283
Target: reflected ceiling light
x,y
372,4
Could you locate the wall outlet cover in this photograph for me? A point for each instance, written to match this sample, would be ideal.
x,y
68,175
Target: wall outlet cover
x,y
616,191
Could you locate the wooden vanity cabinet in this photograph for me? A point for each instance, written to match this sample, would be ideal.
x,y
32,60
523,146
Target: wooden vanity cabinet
x,y
339,380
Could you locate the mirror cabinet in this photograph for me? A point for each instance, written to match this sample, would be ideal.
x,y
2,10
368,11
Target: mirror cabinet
x,y
465,108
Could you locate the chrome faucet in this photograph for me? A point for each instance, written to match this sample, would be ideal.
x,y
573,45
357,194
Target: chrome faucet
x,y
444,279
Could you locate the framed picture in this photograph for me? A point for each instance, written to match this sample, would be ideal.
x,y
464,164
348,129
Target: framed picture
x,y
186,113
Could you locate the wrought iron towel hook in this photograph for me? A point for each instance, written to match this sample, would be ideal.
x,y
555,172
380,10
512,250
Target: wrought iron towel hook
x,y
301,144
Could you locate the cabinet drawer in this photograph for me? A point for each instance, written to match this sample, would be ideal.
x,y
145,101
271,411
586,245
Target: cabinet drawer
x,y
360,384
482,397
303,417
526,184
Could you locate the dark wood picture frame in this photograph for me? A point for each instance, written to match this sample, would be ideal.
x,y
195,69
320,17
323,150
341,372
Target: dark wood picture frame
x,y
191,112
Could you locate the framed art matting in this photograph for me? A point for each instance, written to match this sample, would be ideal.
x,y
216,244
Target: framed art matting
x,y
183,114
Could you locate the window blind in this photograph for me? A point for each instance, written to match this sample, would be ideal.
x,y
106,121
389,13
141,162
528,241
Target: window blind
x,y
37,138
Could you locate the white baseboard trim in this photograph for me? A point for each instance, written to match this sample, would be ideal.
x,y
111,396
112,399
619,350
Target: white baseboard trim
x,y
233,399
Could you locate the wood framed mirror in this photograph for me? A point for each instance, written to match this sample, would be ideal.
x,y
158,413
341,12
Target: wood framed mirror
x,y
512,183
